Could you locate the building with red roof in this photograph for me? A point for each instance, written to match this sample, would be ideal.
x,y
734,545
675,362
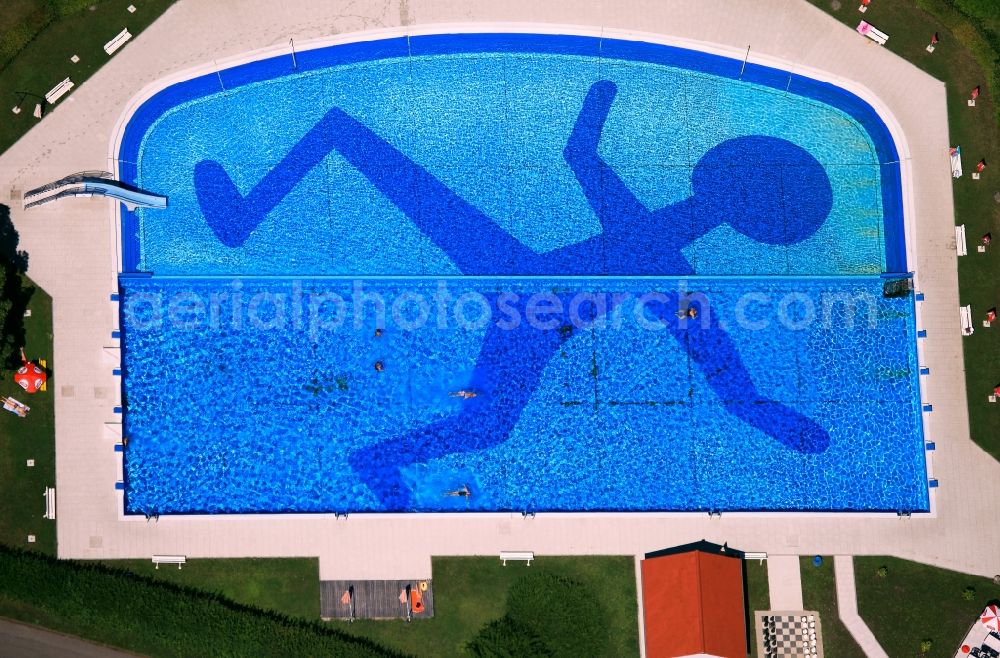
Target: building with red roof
x,y
693,602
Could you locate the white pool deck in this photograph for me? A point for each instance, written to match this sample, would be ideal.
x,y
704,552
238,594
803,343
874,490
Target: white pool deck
x,y
72,248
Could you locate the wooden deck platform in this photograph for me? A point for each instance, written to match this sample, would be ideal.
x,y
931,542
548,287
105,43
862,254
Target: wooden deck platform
x,y
371,599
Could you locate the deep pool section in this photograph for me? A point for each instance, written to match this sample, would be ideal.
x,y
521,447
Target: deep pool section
x,y
622,418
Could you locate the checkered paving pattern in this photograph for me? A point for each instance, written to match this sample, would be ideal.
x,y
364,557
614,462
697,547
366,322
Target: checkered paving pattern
x,y
789,634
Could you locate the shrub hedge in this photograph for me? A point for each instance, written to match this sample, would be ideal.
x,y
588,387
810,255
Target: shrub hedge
x,y
121,609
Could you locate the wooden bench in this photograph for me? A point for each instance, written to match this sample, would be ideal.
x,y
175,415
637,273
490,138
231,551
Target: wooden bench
x,y
50,503
524,556
57,92
169,559
867,29
755,556
119,41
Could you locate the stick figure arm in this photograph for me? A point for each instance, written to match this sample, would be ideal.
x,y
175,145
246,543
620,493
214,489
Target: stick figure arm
x,y
608,195
460,229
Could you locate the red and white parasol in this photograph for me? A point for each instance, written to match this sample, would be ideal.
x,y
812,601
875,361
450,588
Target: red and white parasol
x,y
29,376
991,618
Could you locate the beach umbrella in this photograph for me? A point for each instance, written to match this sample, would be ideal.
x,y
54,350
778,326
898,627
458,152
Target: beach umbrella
x,y
975,92
29,376
991,615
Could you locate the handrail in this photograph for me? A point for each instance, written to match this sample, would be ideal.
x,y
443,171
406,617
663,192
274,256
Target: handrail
x,y
67,180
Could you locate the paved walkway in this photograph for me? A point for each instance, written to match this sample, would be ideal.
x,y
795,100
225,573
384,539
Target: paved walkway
x,y
847,604
73,247
18,640
784,582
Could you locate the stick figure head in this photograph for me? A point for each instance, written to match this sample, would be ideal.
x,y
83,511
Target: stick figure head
x,y
766,188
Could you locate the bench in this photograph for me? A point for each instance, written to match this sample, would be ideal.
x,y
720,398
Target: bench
x,y
524,556
50,503
116,43
169,559
960,245
755,556
867,29
966,313
57,92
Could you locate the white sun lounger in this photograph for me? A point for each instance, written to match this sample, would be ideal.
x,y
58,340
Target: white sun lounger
x,y
966,313
956,161
867,29
960,245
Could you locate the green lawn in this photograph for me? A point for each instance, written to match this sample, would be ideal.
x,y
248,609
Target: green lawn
x,y
819,593
289,586
471,591
67,28
22,504
915,602
975,130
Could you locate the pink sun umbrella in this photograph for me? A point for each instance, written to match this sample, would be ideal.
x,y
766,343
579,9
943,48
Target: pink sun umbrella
x,y
991,618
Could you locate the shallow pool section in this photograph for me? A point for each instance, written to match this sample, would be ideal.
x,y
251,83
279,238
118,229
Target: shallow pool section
x,y
490,120
619,417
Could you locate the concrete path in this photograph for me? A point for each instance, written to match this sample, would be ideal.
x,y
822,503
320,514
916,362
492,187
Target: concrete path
x,y
73,247
847,604
784,582
17,640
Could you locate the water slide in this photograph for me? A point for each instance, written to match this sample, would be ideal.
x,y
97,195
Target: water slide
x,y
88,185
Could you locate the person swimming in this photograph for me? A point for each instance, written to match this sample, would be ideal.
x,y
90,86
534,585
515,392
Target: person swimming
x,y
379,366
465,395
464,491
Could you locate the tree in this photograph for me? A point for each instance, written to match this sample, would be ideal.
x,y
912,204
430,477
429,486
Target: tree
x,y
13,295
567,613
506,638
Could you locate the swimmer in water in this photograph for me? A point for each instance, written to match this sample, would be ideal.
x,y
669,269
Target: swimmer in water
x,y
378,332
379,366
464,492
465,395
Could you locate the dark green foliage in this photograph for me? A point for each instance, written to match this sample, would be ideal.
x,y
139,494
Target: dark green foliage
x,y
566,612
29,17
13,297
156,618
506,638
988,9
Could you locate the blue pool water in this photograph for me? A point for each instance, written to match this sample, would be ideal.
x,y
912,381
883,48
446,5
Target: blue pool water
x,y
534,215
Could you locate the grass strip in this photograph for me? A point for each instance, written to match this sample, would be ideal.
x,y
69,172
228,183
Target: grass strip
x,y
819,593
137,613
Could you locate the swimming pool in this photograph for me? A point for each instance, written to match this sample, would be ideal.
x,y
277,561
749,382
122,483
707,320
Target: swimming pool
x,y
527,220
